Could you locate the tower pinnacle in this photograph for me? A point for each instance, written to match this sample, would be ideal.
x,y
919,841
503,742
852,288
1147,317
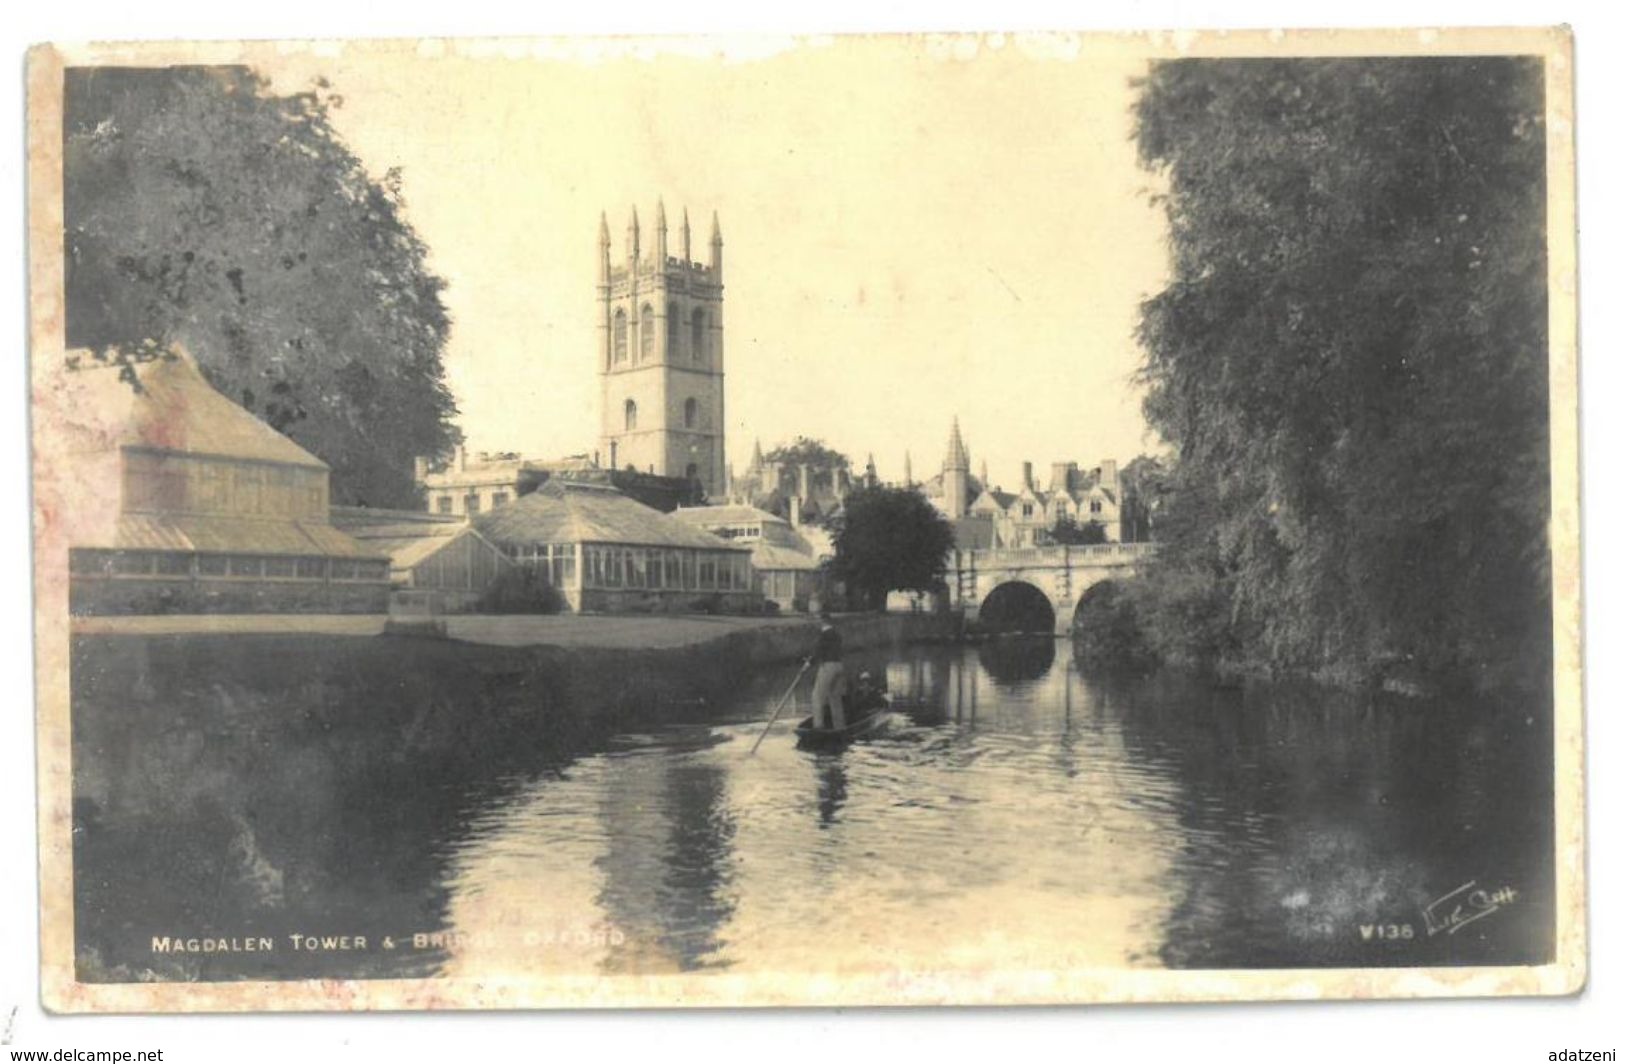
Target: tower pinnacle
x,y
716,245
688,251
660,232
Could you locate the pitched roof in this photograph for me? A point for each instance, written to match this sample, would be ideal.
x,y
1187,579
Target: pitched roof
x,y
726,514
359,519
233,535
563,511
765,556
408,544
176,410
1001,499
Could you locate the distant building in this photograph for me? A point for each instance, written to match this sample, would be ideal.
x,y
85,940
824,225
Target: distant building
x,y
786,562
608,553
191,504
801,493
470,485
660,357
1027,516
476,484
429,552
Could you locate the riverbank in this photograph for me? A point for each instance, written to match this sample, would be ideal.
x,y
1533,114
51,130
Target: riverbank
x,y
603,631
512,680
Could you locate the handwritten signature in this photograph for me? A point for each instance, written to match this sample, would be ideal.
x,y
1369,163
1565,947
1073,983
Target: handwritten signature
x,y
1464,905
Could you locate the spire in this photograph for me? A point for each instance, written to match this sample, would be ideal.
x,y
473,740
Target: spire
x,y
688,251
660,232
908,470
632,239
756,457
981,474
870,477
957,457
603,247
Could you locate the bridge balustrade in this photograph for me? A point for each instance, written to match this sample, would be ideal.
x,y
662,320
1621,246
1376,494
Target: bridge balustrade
x,y
1009,557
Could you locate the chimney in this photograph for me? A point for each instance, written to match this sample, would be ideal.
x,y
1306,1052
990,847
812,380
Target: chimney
x,y
795,511
1027,477
804,483
420,470
459,458
1108,476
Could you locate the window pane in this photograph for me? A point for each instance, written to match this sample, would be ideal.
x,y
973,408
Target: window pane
x,y
243,566
87,562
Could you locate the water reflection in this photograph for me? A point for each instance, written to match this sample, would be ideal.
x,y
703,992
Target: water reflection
x,y
1016,814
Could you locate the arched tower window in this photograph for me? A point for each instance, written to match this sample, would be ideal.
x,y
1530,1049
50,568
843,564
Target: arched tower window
x,y
620,335
631,415
691,413
698,341
646,333
673,316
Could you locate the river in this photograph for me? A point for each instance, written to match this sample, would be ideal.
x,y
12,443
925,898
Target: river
x,y
1016,813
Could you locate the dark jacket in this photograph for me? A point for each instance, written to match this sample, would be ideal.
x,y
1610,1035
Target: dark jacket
x,y
829,646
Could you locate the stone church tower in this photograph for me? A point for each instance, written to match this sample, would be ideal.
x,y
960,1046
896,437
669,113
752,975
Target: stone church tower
x,y
659,356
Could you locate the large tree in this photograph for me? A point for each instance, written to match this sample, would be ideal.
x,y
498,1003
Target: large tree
x,y
204,209
890,539
1350,358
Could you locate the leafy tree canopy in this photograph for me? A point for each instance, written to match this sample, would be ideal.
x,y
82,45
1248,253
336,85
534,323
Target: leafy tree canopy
x,y
1350,358
890,539
202,209
811,452
1068,531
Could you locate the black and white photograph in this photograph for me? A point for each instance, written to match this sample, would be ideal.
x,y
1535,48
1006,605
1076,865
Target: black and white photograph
x,y
987,519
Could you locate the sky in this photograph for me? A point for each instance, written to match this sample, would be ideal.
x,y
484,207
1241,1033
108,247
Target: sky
x,y
915,229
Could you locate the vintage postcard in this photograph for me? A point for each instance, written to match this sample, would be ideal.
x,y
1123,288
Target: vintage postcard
x,y
887,520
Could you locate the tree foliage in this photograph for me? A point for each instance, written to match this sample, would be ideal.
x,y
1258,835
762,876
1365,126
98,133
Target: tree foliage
x,y
890,539
1067,531
811,452
204,210
1107,631
1350,358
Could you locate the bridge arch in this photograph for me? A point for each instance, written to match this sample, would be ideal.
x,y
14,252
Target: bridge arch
x,y
1106,631
1098,596
1017,606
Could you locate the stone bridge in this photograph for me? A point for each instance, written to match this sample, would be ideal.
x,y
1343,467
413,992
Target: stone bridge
x,y
1060,574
